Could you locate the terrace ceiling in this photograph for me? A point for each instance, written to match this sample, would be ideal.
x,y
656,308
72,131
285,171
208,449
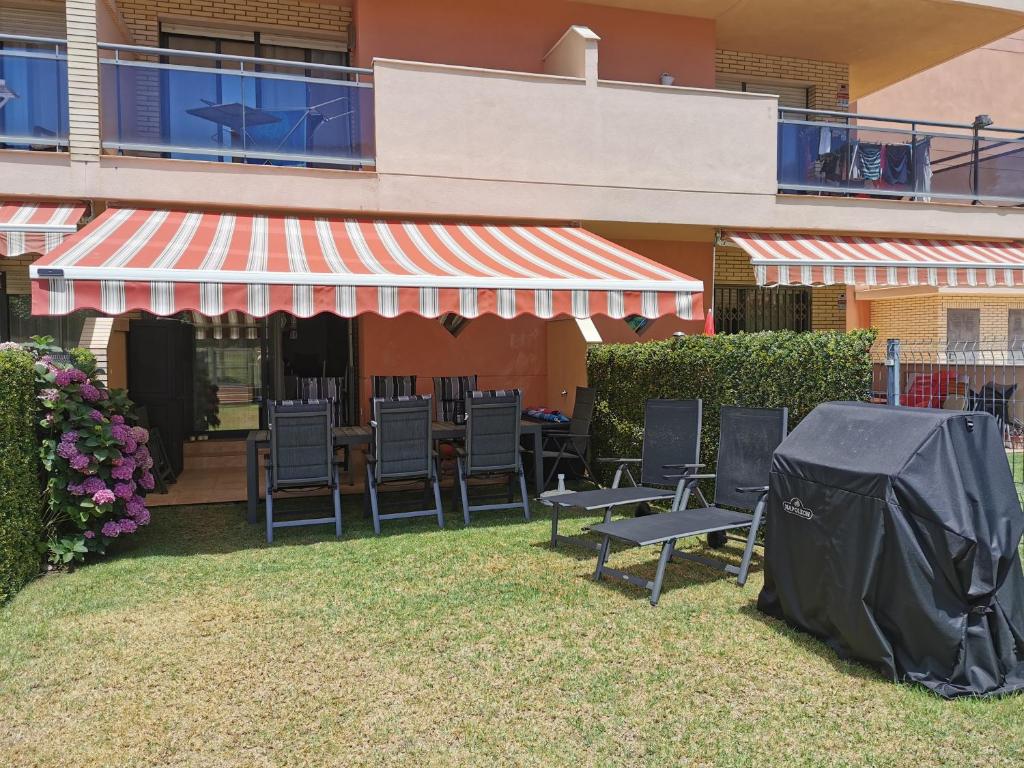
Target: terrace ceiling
x,y
883,41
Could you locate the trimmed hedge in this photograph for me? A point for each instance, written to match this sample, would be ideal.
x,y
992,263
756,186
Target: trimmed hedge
x,y
20,500
768,370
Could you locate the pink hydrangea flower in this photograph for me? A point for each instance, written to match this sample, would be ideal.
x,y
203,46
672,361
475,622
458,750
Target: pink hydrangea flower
x,y
120,432
135,506
90,393
93,484
104,496
8,345
140,435
68,451
127,525
78,376
123,471
69,437
95,415
147,481
76,489
111,529
142,516
80,462
50,394
90,534
63,378
117,418
130,446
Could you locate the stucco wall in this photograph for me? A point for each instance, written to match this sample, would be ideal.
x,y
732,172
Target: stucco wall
x,y
635,46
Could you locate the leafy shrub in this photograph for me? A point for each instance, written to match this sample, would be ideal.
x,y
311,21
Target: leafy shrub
x,y
97,462
20,502
767,370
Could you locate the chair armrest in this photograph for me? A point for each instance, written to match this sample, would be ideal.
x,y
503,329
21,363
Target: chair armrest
x,y
620,461
683,466
752,489
373,423
565,436
688,476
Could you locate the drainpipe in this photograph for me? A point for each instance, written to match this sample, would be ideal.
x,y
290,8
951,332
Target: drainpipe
x,y
980,122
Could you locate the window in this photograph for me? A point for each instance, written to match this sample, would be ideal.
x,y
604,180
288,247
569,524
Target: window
x,y
638,323
751,308
22,325
790,94
963,330
1015,331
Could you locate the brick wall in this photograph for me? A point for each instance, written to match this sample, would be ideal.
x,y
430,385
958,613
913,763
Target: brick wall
x,y
828,312
142,17
822,78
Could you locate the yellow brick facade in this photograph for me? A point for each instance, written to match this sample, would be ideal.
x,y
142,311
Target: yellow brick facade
x,y
828,303
142,17
823,79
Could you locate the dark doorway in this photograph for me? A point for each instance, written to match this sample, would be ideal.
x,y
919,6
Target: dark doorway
x,y
160,357
318,360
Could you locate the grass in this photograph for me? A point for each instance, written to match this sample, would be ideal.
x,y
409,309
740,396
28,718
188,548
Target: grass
x,y
197,645
238,416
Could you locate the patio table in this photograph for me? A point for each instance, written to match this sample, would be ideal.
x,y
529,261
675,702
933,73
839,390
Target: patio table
x,y
350,437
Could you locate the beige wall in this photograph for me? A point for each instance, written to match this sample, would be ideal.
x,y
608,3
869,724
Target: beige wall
x,y
442,121
984,81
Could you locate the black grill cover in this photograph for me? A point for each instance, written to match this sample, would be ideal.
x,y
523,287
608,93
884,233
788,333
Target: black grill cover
x,y
893,535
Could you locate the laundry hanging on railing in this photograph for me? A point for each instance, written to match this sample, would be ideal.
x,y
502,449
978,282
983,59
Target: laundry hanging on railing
x,y
819,158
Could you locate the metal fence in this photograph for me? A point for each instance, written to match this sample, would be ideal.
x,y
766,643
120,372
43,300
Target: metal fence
x,y
981,376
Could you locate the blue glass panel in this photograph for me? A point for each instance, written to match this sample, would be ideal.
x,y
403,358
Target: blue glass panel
x,y
33,97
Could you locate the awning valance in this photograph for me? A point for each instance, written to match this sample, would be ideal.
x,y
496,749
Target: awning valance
x,y
805,259
231,325
166,262
33,227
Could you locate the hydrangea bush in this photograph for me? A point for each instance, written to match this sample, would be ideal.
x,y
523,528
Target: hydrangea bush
x,y
97,462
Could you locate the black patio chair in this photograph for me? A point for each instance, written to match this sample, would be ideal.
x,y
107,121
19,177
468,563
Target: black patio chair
x,y
669,454
402,451
390,387
748,438
573,444
492,447
450,394
301,457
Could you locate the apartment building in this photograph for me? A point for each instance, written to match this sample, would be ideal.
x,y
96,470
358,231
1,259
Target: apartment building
x,y
226,198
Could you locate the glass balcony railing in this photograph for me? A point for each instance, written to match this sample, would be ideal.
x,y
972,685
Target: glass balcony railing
x,y
33,93
865,156
187,105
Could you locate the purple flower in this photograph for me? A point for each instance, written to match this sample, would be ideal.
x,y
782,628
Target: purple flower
x,y
76,489
95,415
123,471
140,435
90,393
90,534
103,496
78,376
49,394
69,437
130,446
147,481
135,506
127,525
117,418
124,490
93,484
68,451
110,529
80,462
120,432
142,516
62,378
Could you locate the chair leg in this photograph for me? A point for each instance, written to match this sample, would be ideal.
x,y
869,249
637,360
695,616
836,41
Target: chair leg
x,y
555,465
436,481
554,525
371,487
463,490
590,470
602,557
659,576
270,516
748,552
523,495
336,492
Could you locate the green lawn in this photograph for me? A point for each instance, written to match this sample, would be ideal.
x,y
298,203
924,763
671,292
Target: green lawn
x,y
199,646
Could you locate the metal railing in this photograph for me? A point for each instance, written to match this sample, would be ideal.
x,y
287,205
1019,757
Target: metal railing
x,y
986,376
234,108
33,93
843,153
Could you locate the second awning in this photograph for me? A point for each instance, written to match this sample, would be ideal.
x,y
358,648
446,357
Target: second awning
x,y
816,259
165,262
36,227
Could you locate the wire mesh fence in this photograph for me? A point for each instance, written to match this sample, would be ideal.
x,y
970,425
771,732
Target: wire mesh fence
x,y
980,376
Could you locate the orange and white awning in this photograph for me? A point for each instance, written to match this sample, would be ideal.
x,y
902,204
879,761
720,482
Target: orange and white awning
x,y
27,227
165,262
805,259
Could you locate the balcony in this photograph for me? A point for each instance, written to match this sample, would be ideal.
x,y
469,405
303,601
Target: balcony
x,y
837,153
33,93
237,109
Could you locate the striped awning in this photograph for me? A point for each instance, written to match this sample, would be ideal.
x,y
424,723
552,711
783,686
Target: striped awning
x,y
804,259
33,227
165,262
231,325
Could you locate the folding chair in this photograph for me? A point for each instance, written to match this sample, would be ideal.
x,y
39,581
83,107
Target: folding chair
x,y
671,443
390,387
301,456
492,447
450,394
402,451
573,445
748,438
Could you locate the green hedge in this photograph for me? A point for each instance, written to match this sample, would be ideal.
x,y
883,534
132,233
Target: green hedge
x,y
20,501
771,369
